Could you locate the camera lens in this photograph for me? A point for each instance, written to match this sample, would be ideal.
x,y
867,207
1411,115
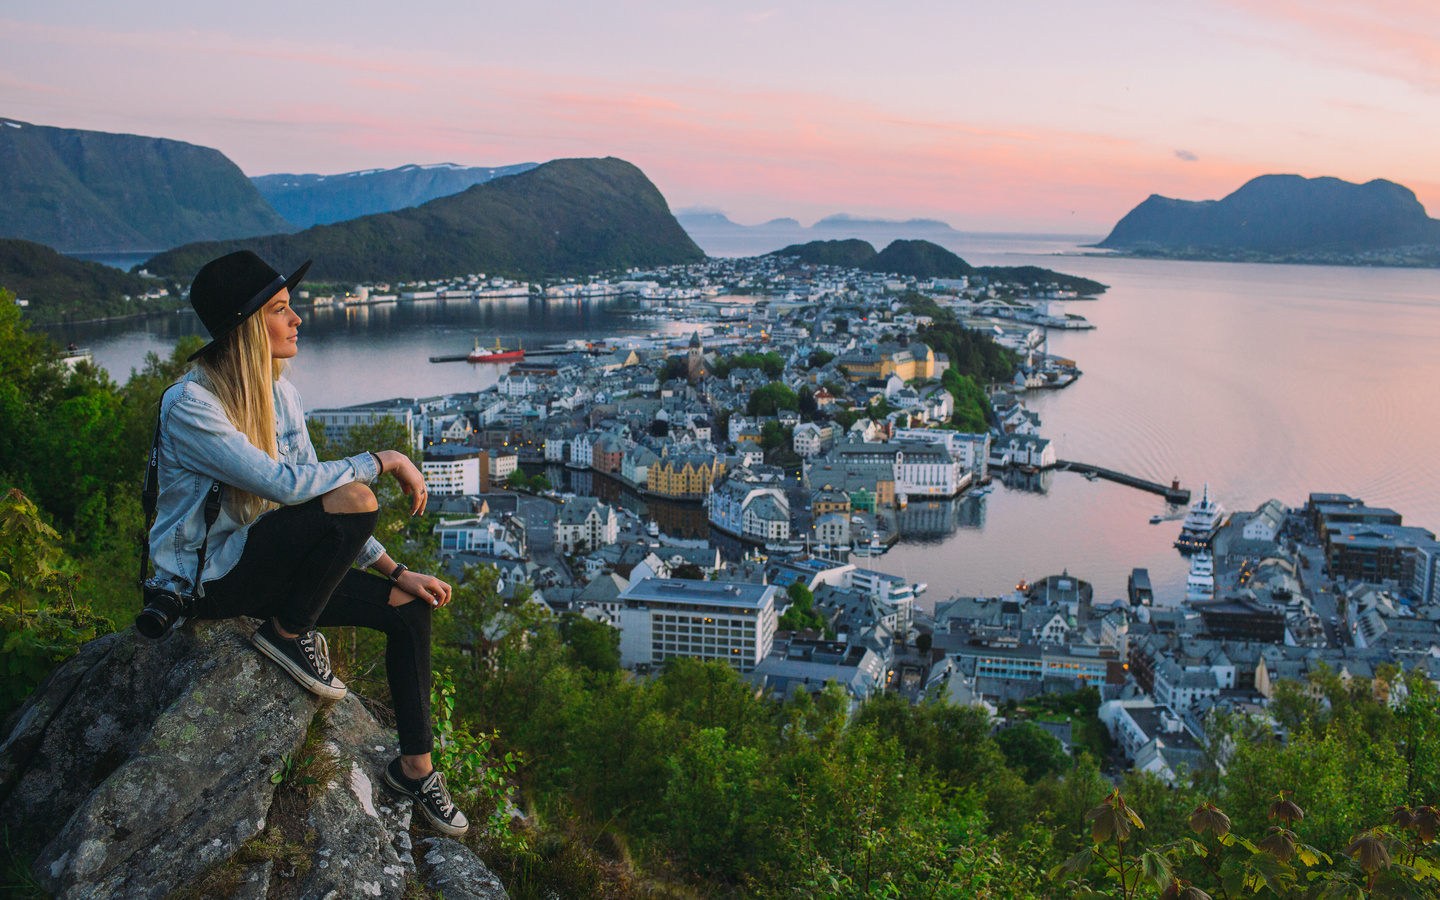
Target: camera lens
x,y
152,623
159,617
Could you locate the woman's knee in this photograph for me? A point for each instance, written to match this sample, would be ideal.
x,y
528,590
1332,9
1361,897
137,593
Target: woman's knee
x,y
350,498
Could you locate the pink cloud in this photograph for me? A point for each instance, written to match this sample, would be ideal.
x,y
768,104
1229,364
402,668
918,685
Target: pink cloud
x,y
1395,38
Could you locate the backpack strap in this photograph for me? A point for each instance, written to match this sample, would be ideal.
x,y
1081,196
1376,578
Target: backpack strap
x,y
150,499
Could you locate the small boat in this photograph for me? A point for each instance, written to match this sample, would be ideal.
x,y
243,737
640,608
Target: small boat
x,y
494,354
1156,520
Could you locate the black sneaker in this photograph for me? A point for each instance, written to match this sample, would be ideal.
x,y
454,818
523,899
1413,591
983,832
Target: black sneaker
x,y
431,795
306,658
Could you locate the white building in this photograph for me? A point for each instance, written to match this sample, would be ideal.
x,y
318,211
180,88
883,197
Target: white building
x,y
833,529
582,450
735,506
338,422
585,521
709,620
1022,450
635,465
451,469
502,466
1266,523
928,470
807,440
484,535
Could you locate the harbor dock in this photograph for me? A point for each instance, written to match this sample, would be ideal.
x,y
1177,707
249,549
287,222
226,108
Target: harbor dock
x,y
1172,493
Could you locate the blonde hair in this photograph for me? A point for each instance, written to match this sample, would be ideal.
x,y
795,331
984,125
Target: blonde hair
x,y
242,374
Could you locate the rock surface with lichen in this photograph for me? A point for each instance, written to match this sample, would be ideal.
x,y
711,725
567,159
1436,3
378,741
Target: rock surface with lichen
x,y
140,769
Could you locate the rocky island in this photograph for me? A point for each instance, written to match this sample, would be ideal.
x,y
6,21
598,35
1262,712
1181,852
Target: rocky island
x,y
1286,219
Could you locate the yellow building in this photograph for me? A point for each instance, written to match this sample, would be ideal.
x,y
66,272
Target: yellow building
x,y
688,477
914,361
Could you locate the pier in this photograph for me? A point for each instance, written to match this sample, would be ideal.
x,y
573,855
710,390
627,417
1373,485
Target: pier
x,y
1172,494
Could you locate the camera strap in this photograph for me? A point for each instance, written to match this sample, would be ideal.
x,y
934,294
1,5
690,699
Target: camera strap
x,y
149,501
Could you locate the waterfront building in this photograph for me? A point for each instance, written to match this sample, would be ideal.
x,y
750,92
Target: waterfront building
x,y
660,619
456,469
1022,450
1265,523
607,454
635,465
751,503
685,477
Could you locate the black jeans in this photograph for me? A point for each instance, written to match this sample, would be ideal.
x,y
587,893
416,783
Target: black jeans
x,y
298,566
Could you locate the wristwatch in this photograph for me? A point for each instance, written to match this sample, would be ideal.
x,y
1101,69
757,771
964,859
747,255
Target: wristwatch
x,y
395,573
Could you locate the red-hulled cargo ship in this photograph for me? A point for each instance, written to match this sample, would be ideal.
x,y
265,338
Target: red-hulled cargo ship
x,y
494,354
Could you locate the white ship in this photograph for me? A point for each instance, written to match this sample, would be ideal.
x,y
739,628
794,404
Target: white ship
x,y
1201,523
1200,585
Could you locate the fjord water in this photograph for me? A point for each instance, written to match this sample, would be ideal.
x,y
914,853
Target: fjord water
x,y
1265,381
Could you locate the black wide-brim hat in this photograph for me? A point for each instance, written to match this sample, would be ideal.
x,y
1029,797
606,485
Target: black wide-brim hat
x,y
231,289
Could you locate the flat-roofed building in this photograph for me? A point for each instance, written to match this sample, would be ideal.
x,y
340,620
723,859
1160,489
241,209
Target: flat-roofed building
x,y
451,469
664,618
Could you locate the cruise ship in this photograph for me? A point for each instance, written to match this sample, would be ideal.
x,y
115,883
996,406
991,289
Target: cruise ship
x,y
1201,523
1200,585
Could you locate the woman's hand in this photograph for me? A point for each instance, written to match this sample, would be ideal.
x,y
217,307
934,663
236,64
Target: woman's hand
x,y
412,483
424,587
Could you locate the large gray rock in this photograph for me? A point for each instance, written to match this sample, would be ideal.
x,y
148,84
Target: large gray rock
x,y
457,873
154,765
135,766
362,829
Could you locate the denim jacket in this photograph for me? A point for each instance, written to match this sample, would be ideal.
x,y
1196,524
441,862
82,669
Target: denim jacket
x,y
199,445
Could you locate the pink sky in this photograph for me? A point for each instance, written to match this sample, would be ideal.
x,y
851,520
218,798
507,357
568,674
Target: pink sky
x,y
1044,115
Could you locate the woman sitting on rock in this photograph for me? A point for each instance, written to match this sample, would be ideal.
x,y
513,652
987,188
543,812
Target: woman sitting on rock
x,y
292,529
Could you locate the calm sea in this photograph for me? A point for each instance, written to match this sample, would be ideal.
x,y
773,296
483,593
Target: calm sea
x,y
1264,381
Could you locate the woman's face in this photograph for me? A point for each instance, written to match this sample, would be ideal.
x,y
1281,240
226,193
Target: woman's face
x,y
282,325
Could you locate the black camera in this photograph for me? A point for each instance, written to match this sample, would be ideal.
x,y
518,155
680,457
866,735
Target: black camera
x,y
164,611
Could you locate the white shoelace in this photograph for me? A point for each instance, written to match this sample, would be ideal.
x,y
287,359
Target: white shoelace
x,y
434,788
316,648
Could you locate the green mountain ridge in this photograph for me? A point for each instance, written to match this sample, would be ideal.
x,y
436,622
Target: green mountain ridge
x,y
924,259
566,217
59,288
853,253
1281,214
93,191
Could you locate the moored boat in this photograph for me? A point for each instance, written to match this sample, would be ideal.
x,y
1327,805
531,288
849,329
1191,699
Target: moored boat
x,y
1201,523
494,354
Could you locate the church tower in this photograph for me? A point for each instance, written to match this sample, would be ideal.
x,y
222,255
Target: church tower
x,y
695,358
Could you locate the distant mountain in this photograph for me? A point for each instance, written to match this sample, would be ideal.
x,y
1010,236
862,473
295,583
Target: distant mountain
x,y
60,289
566,217
853,253
709,219
92,191
307,200
846,222
1280,215
920,259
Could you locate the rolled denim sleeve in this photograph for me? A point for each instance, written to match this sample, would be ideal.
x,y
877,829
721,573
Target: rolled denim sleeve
x,y
203,439
371,552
